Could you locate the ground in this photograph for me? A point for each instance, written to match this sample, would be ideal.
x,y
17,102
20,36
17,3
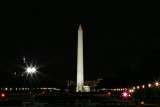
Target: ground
x,y
74,99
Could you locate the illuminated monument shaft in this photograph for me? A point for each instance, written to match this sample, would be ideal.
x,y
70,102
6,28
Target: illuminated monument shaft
x,y
80,80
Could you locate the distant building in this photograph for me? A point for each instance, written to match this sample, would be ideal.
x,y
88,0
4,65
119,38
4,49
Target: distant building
x,y
70,84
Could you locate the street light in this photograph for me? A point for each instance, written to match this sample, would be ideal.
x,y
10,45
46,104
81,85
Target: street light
x,y
149,85
125,95
131,90
157,84
134,88
143,86
30,71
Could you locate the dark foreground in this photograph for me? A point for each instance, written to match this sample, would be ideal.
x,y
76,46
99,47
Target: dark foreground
x,y
64,99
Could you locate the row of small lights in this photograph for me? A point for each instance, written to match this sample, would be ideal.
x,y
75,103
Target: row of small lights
x,y
28,89
125,94
138,87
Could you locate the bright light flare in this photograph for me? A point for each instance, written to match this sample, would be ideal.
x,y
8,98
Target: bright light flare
x,y
31,70
125,94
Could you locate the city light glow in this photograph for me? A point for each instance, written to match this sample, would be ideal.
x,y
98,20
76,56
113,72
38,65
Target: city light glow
x,y
157,83
142,102
134,88
149,85
143,86
109,93
129,95
131,90
2,95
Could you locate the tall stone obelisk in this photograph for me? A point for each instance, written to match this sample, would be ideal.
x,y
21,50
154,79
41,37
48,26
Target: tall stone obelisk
x,y
80,80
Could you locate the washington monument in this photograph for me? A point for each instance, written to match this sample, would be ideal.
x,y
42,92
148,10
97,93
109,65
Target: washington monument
x,y
80,78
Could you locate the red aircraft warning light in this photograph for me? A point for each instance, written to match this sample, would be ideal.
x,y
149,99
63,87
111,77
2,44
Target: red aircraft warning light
x,y
80,27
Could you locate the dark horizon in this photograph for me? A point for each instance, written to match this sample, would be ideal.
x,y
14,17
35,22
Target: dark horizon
x,y
121,42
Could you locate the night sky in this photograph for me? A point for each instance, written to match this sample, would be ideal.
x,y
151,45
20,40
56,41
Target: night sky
x,y
121,40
